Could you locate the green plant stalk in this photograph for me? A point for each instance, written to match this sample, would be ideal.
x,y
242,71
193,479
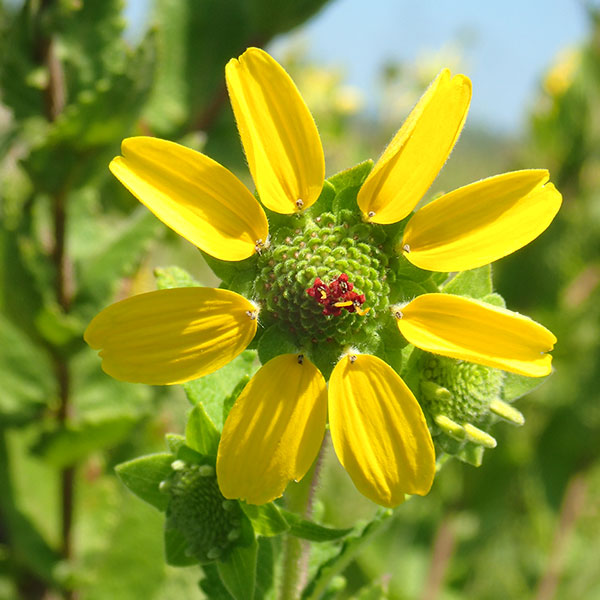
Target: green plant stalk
x,y
55,100
300,499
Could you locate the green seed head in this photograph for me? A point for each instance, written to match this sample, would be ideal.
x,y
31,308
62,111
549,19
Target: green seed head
x,y
198,510
323,249
468,389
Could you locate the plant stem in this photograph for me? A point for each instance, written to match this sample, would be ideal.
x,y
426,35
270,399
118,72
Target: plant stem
x,y
572,506
300,499
55,100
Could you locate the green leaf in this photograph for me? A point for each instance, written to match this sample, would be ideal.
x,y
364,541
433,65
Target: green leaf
x,y
516,386
324,202
307,530
175,549
266,519
174,442
270,18
352,177
200,433
406,270
211,584
329,570
174,277
99,275
27,544
211,390
189,455
67,445
238,572
213,587
227,270
27,376
143,476
19,73
475,283
405,290
26,268
230,400
264,569
275,341
494,299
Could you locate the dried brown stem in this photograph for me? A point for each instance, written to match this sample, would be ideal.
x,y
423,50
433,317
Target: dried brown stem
x,y
443,549
573,503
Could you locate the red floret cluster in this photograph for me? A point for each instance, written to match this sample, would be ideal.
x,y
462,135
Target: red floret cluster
x,y
336,296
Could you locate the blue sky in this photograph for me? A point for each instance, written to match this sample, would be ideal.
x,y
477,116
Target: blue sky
x,y
508,46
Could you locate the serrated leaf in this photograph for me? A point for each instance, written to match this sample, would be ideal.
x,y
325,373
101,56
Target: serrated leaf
x,y
266,519
308,530
238,572
211,390
175,549
67,445
516,386
475,283
143,476
200,432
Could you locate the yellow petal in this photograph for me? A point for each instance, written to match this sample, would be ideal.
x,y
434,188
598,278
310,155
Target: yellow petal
x,y
481,333
194,195
172,336
482,222
274,431
417,152
279,135
379,431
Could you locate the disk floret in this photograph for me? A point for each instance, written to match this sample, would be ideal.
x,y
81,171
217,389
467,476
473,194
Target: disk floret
x,y
323,282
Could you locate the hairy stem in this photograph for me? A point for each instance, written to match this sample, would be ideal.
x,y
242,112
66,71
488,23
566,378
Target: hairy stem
x,y
300,499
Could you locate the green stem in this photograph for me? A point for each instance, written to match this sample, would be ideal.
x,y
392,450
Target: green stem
x,y
300,499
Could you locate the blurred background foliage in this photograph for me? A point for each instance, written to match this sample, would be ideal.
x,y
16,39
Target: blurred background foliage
x,y
72,240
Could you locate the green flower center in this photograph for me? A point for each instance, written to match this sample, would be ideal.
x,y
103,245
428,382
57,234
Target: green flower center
x,y
302,266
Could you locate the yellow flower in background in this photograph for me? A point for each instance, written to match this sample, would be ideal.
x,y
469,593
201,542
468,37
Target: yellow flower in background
x,y
275,429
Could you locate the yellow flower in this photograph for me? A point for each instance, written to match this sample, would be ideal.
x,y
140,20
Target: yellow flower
x,y
274,431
